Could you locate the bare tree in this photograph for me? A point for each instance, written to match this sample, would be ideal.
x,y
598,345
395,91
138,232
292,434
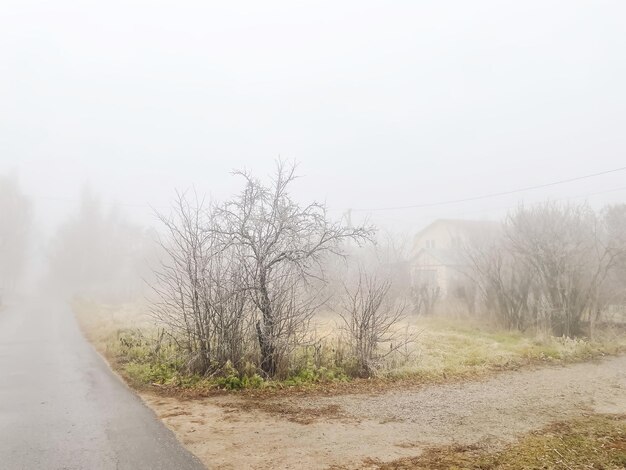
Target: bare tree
x,y
549,268
614,237
561,245
97,253
180,280
280,245
611,292
199,286
16,218
505,283
227,307
370,320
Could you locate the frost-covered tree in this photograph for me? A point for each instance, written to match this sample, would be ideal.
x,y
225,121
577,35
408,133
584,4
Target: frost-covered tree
x,y
15,226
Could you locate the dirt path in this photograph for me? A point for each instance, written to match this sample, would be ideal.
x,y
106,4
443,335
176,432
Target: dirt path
x,y
229,432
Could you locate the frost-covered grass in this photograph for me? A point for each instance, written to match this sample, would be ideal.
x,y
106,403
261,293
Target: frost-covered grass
x,y
444,349
447,347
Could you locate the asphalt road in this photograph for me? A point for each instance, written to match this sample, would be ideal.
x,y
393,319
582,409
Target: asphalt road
x,y
62,408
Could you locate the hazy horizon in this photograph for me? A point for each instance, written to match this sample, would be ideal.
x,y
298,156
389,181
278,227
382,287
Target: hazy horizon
x,y
383,106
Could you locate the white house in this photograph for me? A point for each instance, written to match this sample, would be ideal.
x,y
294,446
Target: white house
x,y
438,257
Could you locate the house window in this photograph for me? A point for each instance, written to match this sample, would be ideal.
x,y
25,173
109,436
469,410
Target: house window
x,y
430,243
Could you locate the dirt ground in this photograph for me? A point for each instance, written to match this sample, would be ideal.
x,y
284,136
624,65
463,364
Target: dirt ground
x,y
353,431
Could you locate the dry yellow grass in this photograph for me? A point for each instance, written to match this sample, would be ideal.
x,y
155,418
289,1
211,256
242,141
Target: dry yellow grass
x,y
444,349
103,323
597,441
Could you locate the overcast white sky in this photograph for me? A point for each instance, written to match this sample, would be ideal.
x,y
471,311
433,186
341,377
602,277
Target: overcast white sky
x,y
383,103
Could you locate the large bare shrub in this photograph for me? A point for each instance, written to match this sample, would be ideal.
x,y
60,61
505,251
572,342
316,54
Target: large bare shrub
x,y
249,266
614,238
200,288
280,245
611,293
371,320
560,244
505,283
550,267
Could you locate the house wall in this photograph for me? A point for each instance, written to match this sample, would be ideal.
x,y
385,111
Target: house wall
x,y
428,269
440,236
440,248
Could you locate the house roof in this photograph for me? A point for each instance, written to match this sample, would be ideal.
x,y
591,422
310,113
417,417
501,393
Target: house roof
x,y
453,256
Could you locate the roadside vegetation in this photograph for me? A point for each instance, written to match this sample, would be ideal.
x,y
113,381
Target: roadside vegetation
x,y
273,299
446,349
261,291
595,442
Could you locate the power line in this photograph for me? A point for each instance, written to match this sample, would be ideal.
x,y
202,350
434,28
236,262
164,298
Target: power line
x,y
378,209
491,195
561,199
502,209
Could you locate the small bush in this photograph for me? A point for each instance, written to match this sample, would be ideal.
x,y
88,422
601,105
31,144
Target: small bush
x,y
147,360
150,373
234,382
311,375
231,379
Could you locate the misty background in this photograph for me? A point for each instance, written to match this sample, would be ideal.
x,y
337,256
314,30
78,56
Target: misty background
x,y
382,104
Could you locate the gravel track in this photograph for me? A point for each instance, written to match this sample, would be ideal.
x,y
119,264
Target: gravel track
x,y
346,431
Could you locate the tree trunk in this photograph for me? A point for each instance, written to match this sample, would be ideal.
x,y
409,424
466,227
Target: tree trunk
x,y
265,330
268,350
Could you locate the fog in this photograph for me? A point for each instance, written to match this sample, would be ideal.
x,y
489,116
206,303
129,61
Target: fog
x,y
414,104
397,228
